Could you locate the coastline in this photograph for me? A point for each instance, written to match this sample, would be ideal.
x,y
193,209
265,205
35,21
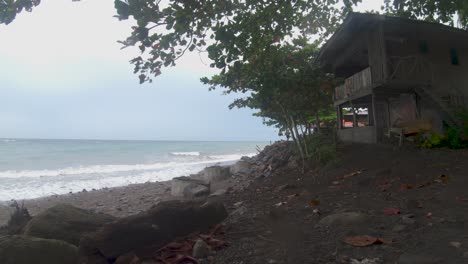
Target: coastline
x,y
118,201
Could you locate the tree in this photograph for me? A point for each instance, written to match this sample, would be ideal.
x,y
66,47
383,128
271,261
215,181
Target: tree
x,y
443,11
236,30
285,85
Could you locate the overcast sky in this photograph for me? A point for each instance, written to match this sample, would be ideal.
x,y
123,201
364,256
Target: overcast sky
x,y
62,75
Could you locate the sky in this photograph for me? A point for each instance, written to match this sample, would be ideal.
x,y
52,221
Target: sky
x,y
64,76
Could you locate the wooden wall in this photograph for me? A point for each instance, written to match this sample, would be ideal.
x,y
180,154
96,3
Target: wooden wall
x,y
377,54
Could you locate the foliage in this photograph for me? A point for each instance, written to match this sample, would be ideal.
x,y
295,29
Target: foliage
x,y
454,138
322,147
442,11
235,31
290,91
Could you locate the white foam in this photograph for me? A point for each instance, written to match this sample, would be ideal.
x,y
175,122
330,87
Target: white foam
x,y
9,140
63,183
193,153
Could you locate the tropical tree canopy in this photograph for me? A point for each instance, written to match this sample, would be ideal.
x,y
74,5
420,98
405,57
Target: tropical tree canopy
x,y
238,30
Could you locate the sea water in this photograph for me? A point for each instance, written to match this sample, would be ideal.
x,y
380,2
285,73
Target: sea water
x,y
32,168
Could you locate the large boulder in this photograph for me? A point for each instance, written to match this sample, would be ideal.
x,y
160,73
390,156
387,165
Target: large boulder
x,y
241,167
149,230
66,222
26,250
215,174
189,188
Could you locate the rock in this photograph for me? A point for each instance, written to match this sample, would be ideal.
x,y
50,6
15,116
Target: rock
x,y
398,228
408,258
215,174
189,188
196,192
408,219
200,249
220,192
344,219
154,228
236,215
66,222
366,261
238,204
456,244
127,258
27,250
465,254
241,168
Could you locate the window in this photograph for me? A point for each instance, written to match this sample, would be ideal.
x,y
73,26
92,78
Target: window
x,y
454,56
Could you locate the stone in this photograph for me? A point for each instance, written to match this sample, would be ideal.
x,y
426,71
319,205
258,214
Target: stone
x,y
344,219
220,192
408,219
408,258
398,228
196,192
456,244
189,188
465,254
66,222
241,168
238,204
215,174
26,250
200,249
153,228
237,214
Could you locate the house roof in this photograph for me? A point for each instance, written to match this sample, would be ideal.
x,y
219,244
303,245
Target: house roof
x,y
356,23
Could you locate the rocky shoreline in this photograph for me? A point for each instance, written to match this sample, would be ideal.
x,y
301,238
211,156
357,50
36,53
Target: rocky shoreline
x,y
142,202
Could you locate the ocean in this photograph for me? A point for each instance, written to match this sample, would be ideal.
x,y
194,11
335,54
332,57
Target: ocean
x,y
32,168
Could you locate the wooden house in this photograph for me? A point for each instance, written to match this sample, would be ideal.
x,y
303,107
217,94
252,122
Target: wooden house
x,y
408,74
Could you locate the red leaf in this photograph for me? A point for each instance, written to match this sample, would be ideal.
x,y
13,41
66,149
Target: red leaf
x,y
391,211
364,241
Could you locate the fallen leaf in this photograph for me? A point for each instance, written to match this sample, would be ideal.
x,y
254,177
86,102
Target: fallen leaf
x,y
280,204
455,244
391,211
314,202
292,196
364,241
424,184
404,187
352,174
444,179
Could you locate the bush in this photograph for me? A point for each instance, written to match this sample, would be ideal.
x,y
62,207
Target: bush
x,y
454,138
321,147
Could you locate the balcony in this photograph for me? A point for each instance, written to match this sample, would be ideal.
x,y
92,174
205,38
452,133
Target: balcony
x,y
356,85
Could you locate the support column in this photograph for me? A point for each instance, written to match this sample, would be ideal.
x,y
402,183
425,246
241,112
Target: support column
x,y
374,114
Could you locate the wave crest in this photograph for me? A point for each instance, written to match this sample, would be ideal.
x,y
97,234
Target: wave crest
x,y
191,153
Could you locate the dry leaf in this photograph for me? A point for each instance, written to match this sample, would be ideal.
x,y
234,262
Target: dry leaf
x,y
391,211
292,196
444,179
314,202
352,174
364,241
360,241
404,187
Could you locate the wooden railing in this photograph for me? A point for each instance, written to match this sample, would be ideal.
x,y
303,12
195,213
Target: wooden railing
x,y
354,85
